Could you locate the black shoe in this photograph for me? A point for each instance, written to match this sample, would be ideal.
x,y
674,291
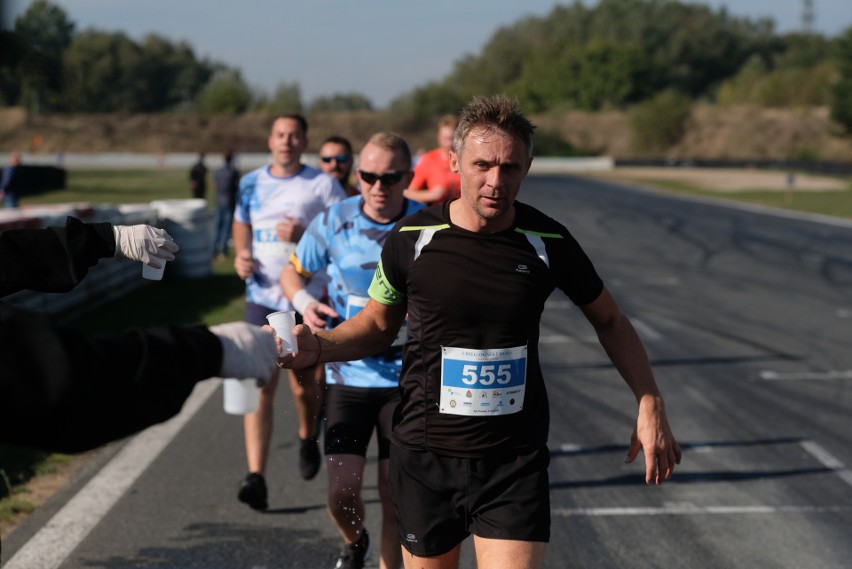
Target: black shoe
x,y
253,491
354,555
309,458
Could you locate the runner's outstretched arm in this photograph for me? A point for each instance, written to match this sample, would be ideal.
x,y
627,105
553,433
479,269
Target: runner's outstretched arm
x,y
369,332
623,346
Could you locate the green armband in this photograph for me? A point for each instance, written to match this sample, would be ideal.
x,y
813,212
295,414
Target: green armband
x,y
381,290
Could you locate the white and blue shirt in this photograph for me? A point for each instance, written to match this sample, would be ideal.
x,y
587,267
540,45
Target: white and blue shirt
x,y
348,245
265,200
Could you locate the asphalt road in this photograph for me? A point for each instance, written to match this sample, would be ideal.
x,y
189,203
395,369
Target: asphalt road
x,y
747,317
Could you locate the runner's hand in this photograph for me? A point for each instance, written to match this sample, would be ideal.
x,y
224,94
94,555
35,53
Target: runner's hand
x,y
308,354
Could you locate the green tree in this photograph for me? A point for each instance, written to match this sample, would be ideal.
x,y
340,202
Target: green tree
x,y
45,32
588,77
286,99
612,54
225,94
841,95
172,74
757,84
106,72
660,121
99,72
428,102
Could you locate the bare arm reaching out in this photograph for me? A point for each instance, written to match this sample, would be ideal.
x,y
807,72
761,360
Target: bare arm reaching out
x,y
623,346
370,331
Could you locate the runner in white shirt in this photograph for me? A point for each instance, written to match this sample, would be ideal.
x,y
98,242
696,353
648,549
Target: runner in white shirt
x,y
274,206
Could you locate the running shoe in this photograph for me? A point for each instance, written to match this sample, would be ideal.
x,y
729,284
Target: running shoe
x,y
253,491
354,555
309,458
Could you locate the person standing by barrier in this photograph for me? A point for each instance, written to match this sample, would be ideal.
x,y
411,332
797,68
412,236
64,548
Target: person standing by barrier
x,y
469,445
227,181
10,182
361,395
198,178
274,205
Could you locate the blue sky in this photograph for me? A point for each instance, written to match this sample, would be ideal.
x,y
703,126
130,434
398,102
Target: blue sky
x,y
380,48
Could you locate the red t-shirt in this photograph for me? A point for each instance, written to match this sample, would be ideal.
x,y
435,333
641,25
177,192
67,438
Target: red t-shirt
x,y
433,171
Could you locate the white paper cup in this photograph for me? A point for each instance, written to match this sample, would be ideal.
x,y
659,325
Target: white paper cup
x,y
283,322
241,395
152,274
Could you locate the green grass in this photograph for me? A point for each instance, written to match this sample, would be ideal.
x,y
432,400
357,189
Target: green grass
x,y
837,203
117,187
214,299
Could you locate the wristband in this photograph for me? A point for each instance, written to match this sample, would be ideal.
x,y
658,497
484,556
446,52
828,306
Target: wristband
x,y
301,300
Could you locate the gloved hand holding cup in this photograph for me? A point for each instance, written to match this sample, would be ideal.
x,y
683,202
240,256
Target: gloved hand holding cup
x,y
151,245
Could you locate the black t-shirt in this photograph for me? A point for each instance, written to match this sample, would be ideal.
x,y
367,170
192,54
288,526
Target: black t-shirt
x,y
481,294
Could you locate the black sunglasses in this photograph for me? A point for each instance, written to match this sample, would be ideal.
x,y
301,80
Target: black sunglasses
x,y
337,158
387,179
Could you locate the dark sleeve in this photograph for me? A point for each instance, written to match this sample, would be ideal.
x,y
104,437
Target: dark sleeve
x,y
65,390
573,271
53,259
575,274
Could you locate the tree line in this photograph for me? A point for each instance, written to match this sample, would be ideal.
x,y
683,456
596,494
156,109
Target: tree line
x,y
618,54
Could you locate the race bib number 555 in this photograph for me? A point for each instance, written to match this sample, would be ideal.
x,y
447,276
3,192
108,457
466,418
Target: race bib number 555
x,y
483,382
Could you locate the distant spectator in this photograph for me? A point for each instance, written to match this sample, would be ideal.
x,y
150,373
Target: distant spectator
x,y
10,184
434,181
336,159
198,178
227,181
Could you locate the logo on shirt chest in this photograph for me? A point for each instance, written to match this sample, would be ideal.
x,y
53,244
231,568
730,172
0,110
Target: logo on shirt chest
x,y
523,269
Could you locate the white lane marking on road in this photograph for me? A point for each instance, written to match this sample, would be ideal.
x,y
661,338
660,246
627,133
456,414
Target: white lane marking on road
x,y
828,460
556,339
834,374
691,509
52,544
646,331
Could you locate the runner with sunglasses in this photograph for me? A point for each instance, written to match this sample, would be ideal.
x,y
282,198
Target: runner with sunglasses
x,y
361,395
335,159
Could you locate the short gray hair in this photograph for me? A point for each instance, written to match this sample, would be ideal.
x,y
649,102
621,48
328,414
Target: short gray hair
x,y
496,112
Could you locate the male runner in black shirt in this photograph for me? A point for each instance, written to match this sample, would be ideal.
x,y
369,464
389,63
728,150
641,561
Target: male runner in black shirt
x,y
469,450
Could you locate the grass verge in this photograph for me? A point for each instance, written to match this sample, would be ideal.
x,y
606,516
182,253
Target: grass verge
x,y
836,203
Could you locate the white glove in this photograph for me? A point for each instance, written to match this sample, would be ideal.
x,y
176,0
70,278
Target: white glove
x,y
247,351
151,245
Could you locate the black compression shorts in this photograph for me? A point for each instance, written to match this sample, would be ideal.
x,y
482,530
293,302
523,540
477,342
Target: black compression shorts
x,y
351,415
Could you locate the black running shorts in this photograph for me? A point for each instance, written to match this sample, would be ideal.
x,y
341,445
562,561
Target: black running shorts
x,y
351,415
440,500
